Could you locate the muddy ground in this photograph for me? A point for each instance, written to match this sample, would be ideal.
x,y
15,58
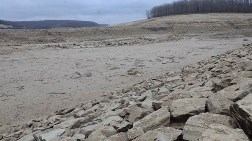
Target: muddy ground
x,y
46,70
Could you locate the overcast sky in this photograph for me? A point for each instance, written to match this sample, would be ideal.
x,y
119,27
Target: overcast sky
x,y
101,11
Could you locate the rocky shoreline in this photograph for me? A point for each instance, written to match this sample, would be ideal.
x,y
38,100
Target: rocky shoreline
x,y
208,101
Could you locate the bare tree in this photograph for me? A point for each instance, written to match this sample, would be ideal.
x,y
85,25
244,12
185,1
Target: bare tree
x,y
201,6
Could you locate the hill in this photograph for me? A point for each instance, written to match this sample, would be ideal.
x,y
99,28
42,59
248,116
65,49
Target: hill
x,y
166,28
47,24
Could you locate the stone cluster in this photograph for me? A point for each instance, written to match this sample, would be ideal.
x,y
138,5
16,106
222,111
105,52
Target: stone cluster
x,y
208,101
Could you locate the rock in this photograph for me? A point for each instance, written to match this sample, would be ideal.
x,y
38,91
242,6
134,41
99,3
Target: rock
x,y
79,137
1,137
102,133
245,74
237,92
124,126
67,139
82,113
141,98
246,65
118,123
147,104
64,111
161,134
163,90
156,105
195,126
135,113
112,120
133,71
182,109
192,93
118,137
154,120
218,104
16,134
135,132
175,78
27,138
52,135
70,123
89,129
74,122
219,84
241,111
219,132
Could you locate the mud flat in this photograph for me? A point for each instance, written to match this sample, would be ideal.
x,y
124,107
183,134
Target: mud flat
x,y
120,83
207,100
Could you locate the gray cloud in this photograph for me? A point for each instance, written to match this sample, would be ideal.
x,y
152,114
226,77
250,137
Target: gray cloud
x,y
101,11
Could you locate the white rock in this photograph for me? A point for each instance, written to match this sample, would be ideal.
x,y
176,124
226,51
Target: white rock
x,y
182,109
218,132
161,134
135,132
154,120
196,125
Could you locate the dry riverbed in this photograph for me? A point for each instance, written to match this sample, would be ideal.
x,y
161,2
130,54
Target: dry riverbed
x,y
38,82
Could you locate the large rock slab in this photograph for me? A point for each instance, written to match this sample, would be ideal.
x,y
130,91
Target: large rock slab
x,y
74,122
241,111
118,137
118,123
135,113
135,132
102,133
182,109
219,132
195,126
154,120
48,136
238,91
89,129
219,104
52,135
161,134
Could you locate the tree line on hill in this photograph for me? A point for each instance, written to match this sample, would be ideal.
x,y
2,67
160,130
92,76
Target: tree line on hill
x,y
200,6
48,24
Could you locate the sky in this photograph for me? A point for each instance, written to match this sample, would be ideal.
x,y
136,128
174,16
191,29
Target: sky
x,y
100,11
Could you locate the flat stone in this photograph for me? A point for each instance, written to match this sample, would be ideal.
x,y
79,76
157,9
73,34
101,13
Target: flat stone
x,y
135,113
238,91
147,104
70,123
123,126
196,125
112,120
79,137
27,138
102,133
241,111
135,132
161,134
89,129
182,109
246,65
219,132
118,137
82,113
154,120
52,135
218,104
